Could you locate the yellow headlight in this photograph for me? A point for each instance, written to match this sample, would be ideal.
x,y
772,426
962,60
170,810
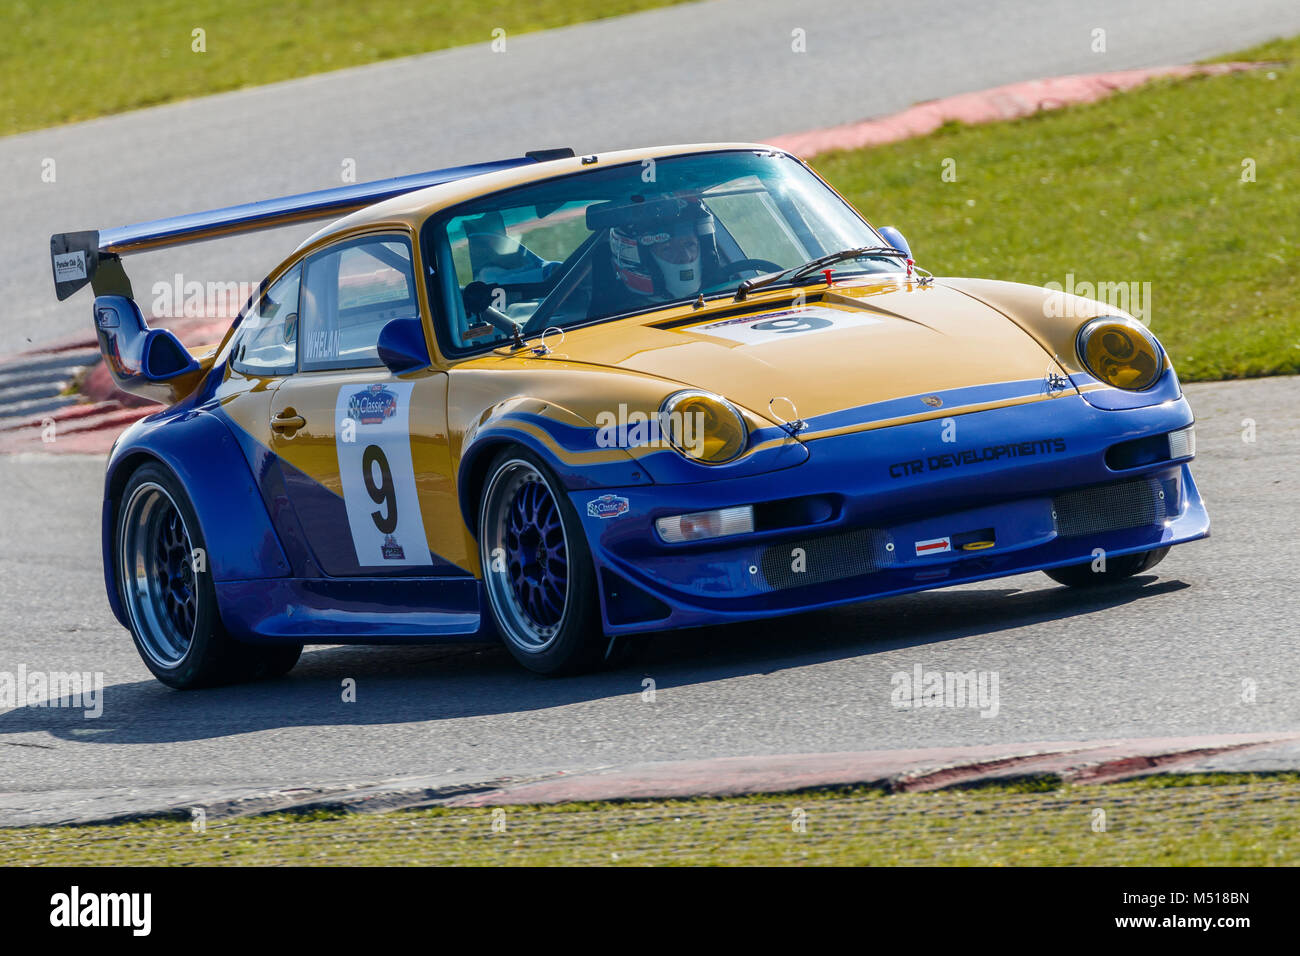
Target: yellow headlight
x,y
1121,352
704,427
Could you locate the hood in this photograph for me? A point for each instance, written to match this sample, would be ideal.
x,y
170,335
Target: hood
x,y
856,345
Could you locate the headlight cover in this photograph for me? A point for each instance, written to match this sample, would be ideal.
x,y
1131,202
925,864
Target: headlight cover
x,y
703,427
1121,352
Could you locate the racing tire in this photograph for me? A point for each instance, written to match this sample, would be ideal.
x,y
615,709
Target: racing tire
x,y
171,605
537,568
1124,566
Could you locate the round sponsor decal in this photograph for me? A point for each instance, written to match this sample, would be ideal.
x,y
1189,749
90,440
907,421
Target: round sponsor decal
x,y
777,326
800,323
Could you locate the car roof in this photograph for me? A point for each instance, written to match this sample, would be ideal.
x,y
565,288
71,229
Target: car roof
x,y
414,207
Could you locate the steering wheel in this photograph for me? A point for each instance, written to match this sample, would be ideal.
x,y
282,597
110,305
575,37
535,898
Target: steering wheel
x,y
746,265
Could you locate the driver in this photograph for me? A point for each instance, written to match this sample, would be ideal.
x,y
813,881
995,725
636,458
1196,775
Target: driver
x,y
662,260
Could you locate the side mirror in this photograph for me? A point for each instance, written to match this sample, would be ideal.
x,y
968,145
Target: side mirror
x,y
895,239
401,346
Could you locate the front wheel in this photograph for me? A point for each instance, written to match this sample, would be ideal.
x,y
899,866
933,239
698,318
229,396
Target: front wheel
x,y
1124,566
167,591
537,568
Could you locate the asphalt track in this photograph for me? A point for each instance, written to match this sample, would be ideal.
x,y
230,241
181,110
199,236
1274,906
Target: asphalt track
x,y
1204,645
717,71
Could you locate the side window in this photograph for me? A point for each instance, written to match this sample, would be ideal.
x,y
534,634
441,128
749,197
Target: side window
x,y
350,292
268,337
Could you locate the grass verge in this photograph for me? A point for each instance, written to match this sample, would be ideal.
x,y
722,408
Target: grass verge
x,y
1190,185
1210,820
67,60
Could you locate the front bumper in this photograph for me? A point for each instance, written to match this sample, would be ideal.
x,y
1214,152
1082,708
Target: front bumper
x,y
1028,486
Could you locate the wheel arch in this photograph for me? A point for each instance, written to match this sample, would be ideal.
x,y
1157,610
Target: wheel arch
x,y
199,452
475,464
119,473
565,441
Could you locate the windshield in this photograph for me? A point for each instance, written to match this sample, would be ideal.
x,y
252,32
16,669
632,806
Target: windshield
x,y
622,239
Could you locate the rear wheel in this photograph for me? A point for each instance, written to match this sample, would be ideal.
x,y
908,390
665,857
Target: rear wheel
x,y
1124,566
537,568
170,602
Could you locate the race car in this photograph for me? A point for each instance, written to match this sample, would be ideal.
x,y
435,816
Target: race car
x,y
557,400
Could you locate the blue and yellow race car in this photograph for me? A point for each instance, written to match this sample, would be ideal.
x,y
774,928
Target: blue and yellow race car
x,y
559,399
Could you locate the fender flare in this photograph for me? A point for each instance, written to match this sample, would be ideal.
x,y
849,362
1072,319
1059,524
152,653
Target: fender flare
x,y
204,457
552,432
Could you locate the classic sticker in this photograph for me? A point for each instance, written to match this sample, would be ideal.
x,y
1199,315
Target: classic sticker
x,y
607,506
372,437
372,405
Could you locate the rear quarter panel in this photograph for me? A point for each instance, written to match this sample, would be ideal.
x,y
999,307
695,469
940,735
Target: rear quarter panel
x,y
199,450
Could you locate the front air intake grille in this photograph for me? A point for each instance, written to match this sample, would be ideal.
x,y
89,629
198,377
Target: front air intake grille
x,y
1126,504
827,558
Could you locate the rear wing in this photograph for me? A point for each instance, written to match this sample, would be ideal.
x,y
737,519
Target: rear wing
x,y
94,257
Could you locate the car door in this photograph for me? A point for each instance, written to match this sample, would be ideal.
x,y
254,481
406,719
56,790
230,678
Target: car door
x,y
264,353
363,451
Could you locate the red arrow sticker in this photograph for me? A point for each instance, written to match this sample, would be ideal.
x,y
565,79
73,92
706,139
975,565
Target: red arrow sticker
x,y
934,546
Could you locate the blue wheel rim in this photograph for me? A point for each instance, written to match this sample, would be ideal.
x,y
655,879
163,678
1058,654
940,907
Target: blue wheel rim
x,y
525,555
538,559
158,577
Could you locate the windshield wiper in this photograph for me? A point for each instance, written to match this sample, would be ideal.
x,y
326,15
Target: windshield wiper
x,y
796,272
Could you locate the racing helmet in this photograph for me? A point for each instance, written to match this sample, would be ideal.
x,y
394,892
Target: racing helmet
x,y
662,254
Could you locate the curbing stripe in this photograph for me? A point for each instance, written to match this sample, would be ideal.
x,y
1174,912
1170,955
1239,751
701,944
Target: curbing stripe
x,y
895,770
1098,761
1013,101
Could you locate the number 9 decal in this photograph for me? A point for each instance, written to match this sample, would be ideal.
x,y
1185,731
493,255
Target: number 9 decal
x,y
382,493
377,475
786,326
777,326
